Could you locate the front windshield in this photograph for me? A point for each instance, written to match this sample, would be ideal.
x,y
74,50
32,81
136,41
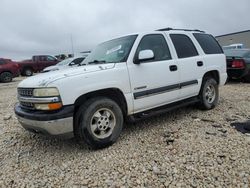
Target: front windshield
x,y
113,51
65,62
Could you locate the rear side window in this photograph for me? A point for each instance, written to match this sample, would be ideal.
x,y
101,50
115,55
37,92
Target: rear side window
x,y
42,58
208,43
183,45
156,43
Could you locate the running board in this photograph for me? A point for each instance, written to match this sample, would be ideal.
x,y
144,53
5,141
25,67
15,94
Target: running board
x,y
162,109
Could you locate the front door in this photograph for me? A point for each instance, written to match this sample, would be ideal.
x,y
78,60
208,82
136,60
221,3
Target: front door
x,y
154,82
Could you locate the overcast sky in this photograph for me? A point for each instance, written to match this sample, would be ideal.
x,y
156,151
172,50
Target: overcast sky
x,y
29,27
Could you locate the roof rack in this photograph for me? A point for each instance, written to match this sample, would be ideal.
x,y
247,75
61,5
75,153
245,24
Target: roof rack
x,y
169,29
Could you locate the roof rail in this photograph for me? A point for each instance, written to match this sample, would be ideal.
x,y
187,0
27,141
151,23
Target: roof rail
x,y
169,29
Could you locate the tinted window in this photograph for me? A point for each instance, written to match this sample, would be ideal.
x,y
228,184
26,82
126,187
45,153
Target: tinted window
x,y
2,62
157,44
208,43
42,58
78,60
183,45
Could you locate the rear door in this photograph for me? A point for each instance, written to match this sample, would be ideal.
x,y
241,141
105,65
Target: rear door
x,y
2,65
40,62
153,82
191,65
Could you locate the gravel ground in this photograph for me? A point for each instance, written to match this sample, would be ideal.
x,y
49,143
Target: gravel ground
x,y
183,148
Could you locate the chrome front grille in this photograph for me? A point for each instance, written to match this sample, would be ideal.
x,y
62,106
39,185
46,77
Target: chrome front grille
x,y
25,92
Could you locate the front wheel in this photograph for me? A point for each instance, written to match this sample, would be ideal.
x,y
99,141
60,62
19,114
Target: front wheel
x,y
6,77
98,122
209,94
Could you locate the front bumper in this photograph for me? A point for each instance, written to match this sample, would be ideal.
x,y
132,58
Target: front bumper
x,y
58,123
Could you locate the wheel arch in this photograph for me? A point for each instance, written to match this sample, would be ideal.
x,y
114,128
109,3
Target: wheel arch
x,y
214,74
27,67
111,93
8,71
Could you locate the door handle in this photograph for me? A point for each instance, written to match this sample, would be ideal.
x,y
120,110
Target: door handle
x,y
173,68
199,63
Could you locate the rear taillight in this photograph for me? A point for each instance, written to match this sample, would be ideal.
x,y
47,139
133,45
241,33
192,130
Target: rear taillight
x,y
238,64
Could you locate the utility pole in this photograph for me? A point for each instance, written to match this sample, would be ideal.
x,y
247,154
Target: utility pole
x,y
72,45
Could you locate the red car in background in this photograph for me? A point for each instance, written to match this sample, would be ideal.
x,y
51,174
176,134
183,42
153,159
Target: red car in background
x,y
8,70
36,64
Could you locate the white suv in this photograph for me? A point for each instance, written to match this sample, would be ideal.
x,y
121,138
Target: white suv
x,y
127,78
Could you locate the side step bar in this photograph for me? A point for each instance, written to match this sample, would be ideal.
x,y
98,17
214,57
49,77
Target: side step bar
x,y
162,109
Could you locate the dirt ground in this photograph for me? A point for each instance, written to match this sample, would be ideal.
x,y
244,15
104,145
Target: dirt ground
x,y
183,148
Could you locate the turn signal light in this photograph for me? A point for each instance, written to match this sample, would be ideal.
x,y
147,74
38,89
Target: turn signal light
x,y
55,106
50,106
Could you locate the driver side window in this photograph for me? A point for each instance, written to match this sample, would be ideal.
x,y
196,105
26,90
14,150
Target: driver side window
x,y
156,43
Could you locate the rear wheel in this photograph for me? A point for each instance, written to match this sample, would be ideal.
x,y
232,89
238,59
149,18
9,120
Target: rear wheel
x,y
99,122
209,94
6,77
28,72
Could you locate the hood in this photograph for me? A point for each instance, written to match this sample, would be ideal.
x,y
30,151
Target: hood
x,y
43,79
50,68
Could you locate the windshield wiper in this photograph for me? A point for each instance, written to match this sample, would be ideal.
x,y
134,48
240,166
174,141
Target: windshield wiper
x,y
97,62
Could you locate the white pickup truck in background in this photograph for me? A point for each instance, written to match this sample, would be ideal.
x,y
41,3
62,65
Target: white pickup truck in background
x,y
131,77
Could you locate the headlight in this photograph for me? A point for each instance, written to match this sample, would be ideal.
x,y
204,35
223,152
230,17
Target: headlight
x,y
45,92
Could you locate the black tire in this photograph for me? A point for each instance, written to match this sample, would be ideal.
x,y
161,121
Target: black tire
x,y
247,78
6,77
85,117
208,102
27,72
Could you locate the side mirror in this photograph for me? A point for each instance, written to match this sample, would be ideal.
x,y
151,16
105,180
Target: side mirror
x,y
145,55
72,64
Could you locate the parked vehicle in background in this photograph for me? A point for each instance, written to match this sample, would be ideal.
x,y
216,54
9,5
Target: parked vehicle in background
x,y
238,64
36,64
132,77
67,63
233,46
8,70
